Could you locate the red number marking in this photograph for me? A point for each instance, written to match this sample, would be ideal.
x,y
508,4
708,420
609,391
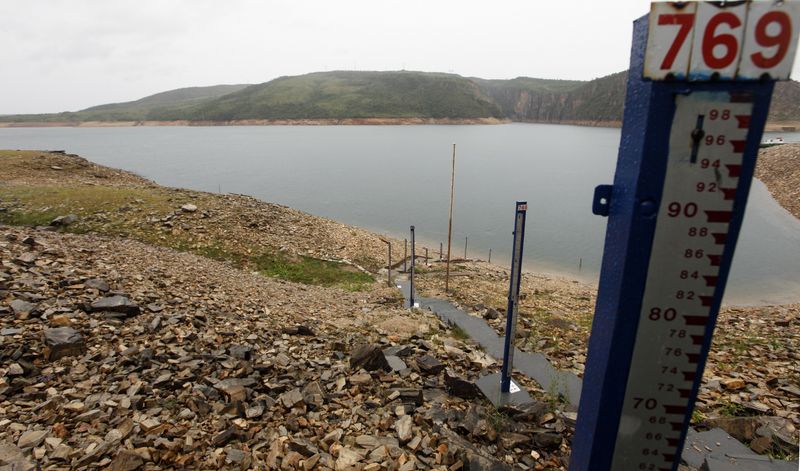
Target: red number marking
x,y
782,39
685,21
711,40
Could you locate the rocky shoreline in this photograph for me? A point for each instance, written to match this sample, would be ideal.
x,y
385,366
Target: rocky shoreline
x,y
779,169
122,348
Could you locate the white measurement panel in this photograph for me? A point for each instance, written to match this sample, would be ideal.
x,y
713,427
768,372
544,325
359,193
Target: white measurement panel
x,y
706,146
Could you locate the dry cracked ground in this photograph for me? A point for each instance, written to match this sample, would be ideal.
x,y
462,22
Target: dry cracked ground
x,y
162,328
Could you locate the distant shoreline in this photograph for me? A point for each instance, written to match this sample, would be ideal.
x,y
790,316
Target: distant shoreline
x,y
777,126
258,122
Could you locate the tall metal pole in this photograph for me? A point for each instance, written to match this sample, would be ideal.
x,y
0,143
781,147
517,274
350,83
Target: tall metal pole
x,y
466,241
513,297
411,292
490,255
389,268
405,255
441,251
450,223
426,255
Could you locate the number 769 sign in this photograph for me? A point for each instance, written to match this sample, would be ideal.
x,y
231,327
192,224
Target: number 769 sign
x,y
734,40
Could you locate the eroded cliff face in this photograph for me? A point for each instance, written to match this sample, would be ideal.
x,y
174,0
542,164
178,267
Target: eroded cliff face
x,y
599,101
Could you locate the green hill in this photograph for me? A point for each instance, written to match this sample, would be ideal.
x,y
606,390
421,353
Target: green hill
x,y
146,108
355,95
343,94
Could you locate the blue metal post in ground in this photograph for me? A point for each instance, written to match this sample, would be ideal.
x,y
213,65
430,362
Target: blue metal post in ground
x,y
413,252
513,296
687,155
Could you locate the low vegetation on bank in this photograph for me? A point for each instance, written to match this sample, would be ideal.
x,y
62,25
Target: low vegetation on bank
x,y
38,187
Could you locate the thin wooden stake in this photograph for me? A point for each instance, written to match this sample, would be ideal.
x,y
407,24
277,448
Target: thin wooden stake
x,y
450,222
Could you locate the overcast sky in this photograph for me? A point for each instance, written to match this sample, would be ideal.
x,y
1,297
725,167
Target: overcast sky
x,y
58,55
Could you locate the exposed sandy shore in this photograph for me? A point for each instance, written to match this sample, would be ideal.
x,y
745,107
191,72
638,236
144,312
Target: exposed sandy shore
x,y
259,122
778,126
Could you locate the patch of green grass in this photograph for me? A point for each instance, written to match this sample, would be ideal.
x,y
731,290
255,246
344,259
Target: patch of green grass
x,y
498,420
459,333
731,409
553,397
25,218
98,209
698,417
311,271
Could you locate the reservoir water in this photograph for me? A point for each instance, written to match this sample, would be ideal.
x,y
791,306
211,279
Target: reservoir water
x,y
386,178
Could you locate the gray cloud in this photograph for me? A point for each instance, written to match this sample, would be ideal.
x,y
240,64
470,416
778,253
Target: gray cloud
x,y
67,55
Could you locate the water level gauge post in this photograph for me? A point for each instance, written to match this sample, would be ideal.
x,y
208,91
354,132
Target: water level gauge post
x,y
500,388
695,111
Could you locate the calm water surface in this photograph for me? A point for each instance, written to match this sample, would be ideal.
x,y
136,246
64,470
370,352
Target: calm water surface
x,y
386,178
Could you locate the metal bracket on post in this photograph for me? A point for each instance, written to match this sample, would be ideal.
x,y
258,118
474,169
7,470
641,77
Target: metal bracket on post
x,y
601,203
500,388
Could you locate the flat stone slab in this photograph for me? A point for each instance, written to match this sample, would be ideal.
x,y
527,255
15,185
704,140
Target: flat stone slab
x,y
534,365
490,387
119,304
716,450
716,462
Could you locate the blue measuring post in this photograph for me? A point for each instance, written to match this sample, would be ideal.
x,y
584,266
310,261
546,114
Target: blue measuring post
x,y
413,256
699,88
513,296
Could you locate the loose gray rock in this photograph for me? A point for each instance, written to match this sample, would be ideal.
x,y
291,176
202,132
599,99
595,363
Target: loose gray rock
x,y
430,365
298,330
369,357
460,387
28,258
22,307
64,220
403,427
395,363
62,342
547,439
97,283
119,304
241,352
233,388
188,208
127,461
511,440
32,438
291,398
